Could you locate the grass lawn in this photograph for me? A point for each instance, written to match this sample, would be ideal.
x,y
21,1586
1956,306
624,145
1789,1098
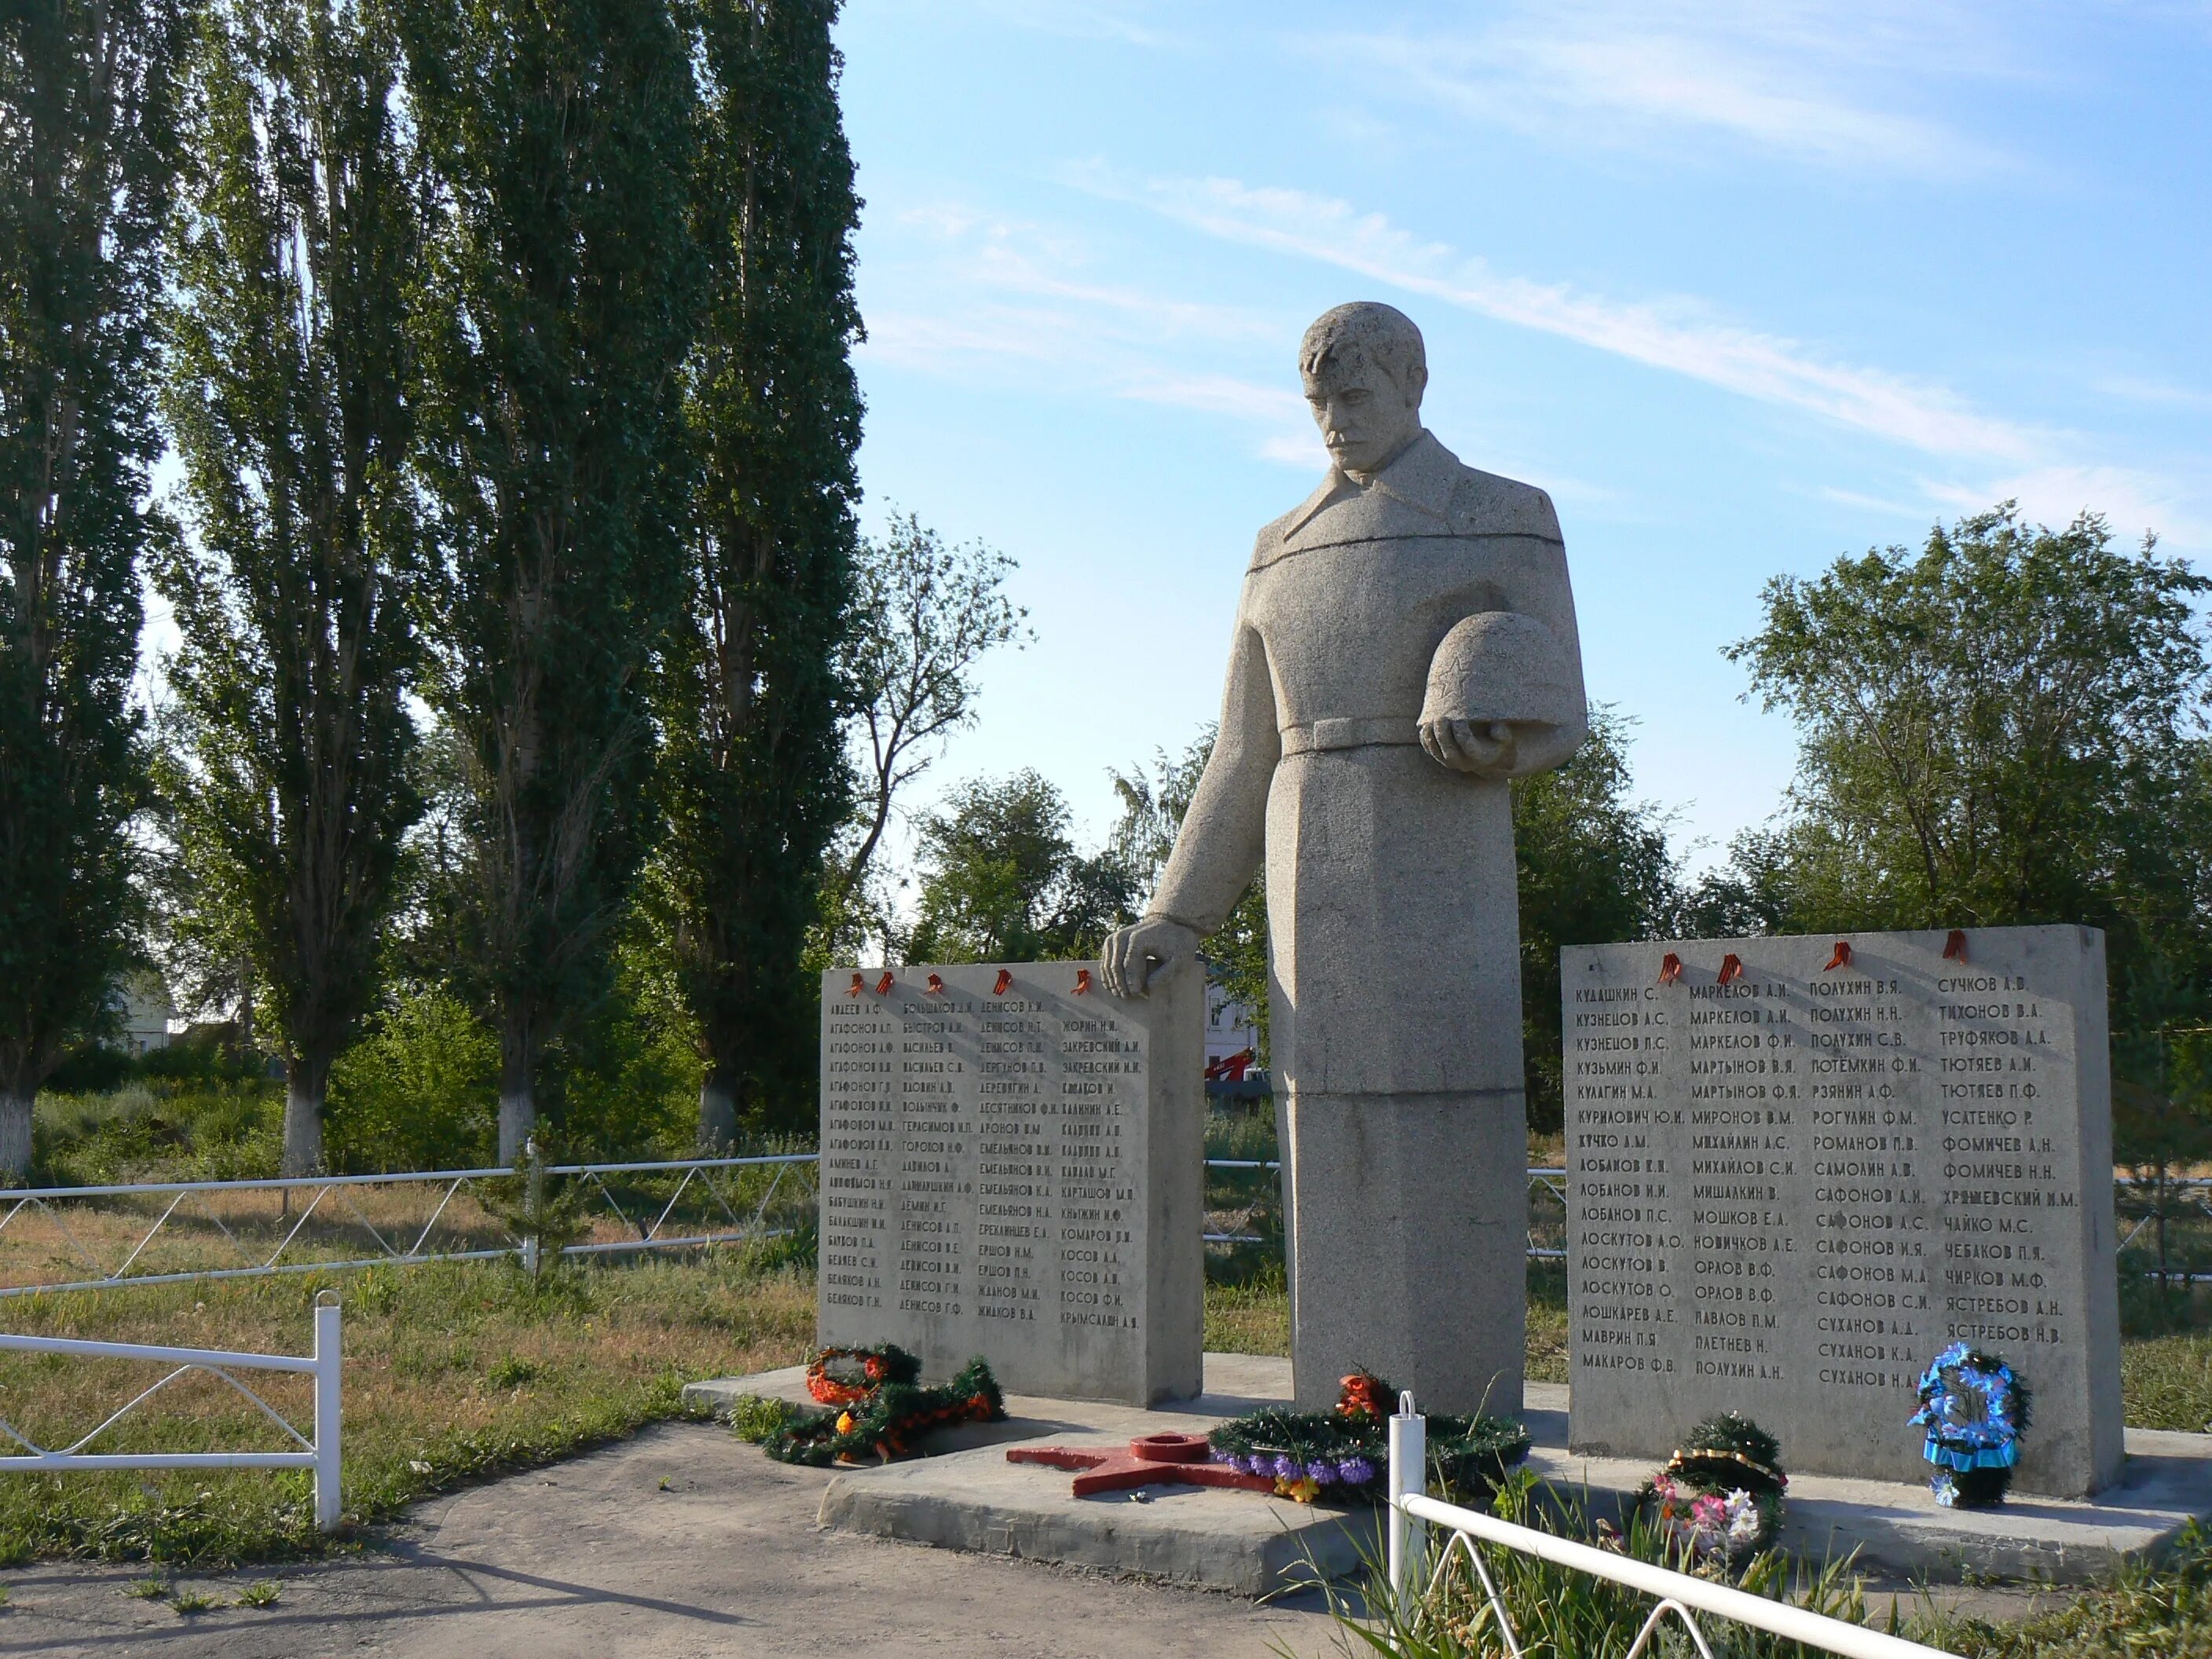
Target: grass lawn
x,y
452,1371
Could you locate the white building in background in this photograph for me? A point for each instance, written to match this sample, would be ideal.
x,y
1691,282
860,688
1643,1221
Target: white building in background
x,y
143,1002
1230,1027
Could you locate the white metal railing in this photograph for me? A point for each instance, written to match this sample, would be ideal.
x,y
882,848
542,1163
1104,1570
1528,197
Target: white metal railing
x,y
319,1454
339,1200
1682,1594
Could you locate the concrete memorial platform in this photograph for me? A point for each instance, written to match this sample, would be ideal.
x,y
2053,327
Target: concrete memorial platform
x,y
1799,1168
1013,1165
966,1496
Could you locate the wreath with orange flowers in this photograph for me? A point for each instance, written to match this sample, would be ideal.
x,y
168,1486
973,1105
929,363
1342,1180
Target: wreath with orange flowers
x,y
860,1372
889,1418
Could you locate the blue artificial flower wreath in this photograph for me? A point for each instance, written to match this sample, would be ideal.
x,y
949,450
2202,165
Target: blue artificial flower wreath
x,y
1975,1410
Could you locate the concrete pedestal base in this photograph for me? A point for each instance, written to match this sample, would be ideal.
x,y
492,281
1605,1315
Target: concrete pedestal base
x,y
967,1496
1409,1217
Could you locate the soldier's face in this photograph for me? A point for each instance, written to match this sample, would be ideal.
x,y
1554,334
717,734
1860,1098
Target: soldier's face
x,y
1365,417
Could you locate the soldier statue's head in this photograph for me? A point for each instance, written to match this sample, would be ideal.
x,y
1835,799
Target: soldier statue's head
x,y
1364,368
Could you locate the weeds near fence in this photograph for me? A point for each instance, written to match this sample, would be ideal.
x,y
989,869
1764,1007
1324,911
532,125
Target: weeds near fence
x,y
1560,1613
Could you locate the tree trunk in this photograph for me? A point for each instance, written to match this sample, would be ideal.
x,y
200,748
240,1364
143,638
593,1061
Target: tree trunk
x,y
16,1131
518,1098
717,1110
306,1082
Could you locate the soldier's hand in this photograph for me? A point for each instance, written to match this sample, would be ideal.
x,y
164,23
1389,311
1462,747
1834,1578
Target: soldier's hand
x,y
1132,954
1483,748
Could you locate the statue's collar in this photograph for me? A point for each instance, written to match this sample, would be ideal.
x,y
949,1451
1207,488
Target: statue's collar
x,y
1424,478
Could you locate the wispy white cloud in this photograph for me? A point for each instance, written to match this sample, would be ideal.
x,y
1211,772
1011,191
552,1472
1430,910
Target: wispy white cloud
x,y
1679,335
1857,84
2131,500
1015,301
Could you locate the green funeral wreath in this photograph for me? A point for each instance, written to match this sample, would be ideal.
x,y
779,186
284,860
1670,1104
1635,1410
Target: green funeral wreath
x,y
1345,1453
1720,1494
888,1420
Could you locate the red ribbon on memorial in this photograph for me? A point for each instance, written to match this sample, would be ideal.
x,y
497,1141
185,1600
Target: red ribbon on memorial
x,y
1955,948
1670,968
883,985
1083,981
1842,958
858,985
937,985
1005,978
1731,968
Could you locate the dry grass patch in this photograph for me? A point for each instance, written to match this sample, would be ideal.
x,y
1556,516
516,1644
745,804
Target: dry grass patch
x,y
453,1371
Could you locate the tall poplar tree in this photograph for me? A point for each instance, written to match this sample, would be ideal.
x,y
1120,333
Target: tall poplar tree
x,y
754,778
87,150
288,399
556,297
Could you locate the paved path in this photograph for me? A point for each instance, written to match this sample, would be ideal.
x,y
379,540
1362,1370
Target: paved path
x,y
681,1544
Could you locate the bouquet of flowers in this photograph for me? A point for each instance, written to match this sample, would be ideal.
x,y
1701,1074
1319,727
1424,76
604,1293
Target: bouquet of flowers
x,y
1719,1497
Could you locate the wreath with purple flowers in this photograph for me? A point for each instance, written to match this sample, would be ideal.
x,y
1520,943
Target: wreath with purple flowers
x,y
1344,1455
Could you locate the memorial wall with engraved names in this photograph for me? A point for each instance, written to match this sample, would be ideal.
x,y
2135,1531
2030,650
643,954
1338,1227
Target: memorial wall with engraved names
x,y
1799,1167
1013,1166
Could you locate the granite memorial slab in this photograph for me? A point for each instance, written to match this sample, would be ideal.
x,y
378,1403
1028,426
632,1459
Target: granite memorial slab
x,y
1013,1165
1799,1167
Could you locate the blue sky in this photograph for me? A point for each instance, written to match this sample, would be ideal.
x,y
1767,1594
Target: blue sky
x,y
1745,287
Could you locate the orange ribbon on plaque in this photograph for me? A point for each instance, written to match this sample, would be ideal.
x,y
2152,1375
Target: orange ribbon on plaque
x,y
1083,981
1731,968
1670,968
1842,958
1955,948
1005,978
937,985
883,985
860,985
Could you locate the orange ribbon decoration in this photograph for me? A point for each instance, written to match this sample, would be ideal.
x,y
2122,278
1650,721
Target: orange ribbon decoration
x,y
1955,948
937,985
1083,981
1670,968
1005,978
883,985
1731,968
858,986
1843,957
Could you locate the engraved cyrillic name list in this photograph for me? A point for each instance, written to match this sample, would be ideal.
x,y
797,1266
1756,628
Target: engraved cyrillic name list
x,y
1798,1170
982,1169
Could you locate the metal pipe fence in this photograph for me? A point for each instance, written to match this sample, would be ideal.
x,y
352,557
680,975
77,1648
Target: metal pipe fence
x,y
1681,1595
78,1238
82,1238
320,1453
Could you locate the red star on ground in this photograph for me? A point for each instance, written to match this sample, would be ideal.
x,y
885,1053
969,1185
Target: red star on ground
x,y
1152,1459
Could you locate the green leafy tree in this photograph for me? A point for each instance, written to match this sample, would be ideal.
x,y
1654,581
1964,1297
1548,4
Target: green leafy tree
x,y
1593,867
754,776
86,155
2000,725
557,302
925,613
1002,880
1153,803
2005,728
289,396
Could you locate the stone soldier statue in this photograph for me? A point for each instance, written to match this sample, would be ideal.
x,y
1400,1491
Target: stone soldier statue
x,y
1405,646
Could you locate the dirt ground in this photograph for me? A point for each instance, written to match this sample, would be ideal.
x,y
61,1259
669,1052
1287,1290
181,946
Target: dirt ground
x,y
681,1544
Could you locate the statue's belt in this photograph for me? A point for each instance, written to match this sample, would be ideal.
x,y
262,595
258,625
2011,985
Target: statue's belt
x,y
1322,735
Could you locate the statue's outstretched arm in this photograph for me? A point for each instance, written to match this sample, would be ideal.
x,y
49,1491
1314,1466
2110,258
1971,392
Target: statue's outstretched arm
x,y
1225,833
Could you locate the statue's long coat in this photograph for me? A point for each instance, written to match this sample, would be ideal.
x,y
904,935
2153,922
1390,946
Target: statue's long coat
x,y
1390,878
